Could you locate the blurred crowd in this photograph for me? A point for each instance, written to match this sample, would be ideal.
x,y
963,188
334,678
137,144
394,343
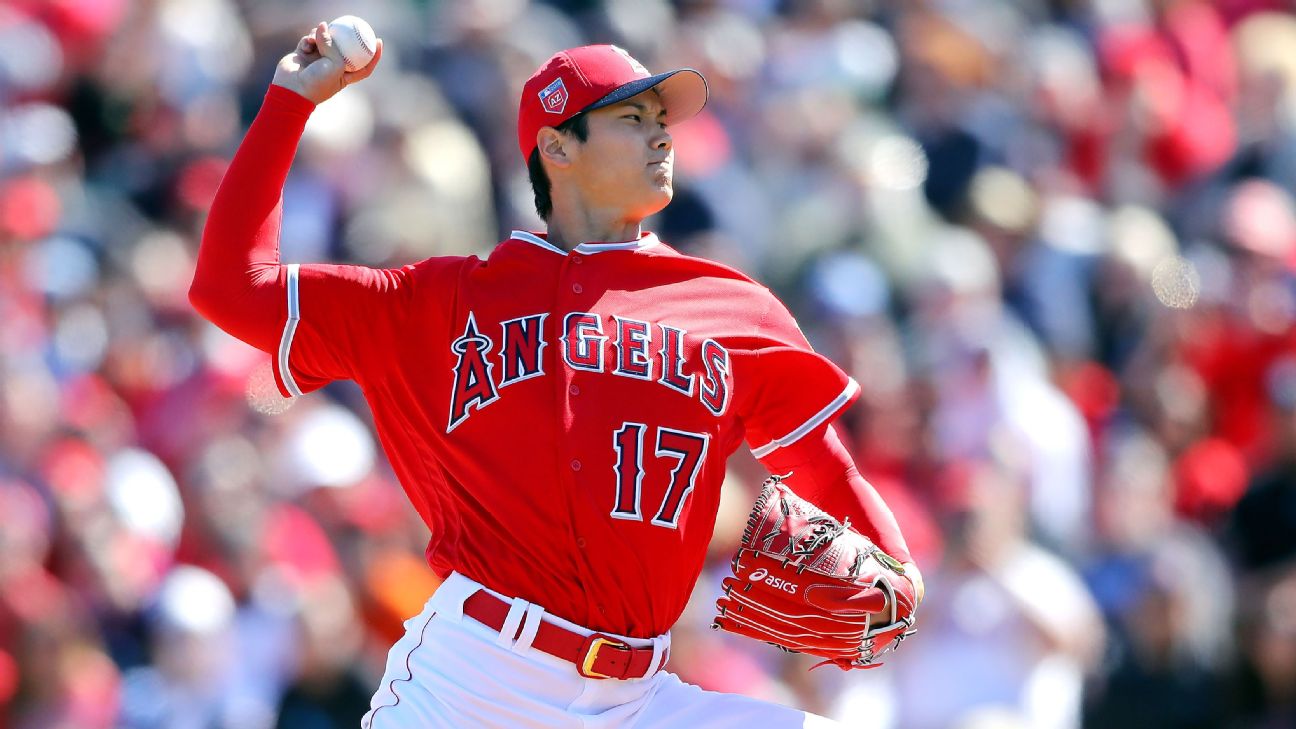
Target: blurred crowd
x,y
1054,239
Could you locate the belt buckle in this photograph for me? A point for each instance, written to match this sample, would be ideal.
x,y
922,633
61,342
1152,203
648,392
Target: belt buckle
x,y
594,643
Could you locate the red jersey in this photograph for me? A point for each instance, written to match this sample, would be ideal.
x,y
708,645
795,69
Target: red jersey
x,y
560,420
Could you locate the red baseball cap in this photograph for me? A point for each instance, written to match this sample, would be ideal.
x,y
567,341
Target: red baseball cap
x,y
589,77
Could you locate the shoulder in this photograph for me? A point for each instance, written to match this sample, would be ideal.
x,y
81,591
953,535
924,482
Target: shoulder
x,y
711,272
430,277
440,267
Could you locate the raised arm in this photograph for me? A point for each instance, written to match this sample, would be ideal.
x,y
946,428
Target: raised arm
x,y
239,284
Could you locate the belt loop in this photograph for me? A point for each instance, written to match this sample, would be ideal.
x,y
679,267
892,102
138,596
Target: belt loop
x,y
448,599
511,623
530,626
661,654
658,650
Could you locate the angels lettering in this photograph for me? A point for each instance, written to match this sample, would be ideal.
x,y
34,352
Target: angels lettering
x,y
486,362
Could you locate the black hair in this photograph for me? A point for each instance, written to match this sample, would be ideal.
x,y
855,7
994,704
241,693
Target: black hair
x,y
577,126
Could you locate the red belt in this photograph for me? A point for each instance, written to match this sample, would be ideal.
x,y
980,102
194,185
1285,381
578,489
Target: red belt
x,y
596,656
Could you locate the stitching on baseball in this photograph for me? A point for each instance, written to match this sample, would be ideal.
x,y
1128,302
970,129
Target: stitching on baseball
x,y
360,39
363,45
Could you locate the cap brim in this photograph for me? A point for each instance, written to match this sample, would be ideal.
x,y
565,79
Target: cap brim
x,y
683,93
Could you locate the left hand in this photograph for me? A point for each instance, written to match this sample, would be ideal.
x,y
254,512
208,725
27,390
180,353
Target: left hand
x,y
844,601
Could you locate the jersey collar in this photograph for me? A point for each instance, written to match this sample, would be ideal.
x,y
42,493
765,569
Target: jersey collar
x,y
646,240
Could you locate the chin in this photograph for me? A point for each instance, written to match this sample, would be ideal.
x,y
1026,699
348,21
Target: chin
x,y
658,200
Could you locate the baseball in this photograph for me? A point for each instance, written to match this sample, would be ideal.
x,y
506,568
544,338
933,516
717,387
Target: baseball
x,y
355,40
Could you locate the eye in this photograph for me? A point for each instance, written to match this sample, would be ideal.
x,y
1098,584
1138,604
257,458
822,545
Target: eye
x,y
631,116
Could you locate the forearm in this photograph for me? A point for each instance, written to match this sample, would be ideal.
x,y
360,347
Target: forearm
x,y
825,475
238,284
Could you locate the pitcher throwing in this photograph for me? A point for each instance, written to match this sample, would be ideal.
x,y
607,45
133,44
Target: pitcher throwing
x,y
559,413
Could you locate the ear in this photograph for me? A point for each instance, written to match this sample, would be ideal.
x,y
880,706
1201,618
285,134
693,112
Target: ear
x,y
555,147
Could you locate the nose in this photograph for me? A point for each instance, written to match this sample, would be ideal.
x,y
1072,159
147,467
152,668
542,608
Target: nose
x,y
662,139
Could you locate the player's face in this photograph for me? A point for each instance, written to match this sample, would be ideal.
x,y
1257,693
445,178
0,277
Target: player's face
x,y
626,164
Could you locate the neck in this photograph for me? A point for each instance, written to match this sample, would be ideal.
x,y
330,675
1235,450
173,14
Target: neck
x,y
568,227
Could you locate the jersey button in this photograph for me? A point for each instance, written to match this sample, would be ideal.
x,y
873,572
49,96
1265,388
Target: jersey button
x,y
580,542
575,465
574,389
577,288
577,260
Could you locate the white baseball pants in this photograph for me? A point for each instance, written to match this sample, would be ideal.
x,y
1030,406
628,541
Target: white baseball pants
x,y
450,671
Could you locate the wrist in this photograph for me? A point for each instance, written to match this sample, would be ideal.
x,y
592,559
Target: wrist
x,y
281,94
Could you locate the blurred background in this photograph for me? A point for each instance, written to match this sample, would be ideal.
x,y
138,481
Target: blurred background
x,y
1055,240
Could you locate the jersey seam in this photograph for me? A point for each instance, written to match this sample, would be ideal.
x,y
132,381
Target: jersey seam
x,y
362,371
760,327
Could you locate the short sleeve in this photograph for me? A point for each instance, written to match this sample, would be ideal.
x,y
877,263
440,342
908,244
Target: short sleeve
x,y
345,322
784,389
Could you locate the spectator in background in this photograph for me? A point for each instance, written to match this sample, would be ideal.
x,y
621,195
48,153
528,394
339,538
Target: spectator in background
x,y
326,692
1014,628
1263,527
1268,699
1166,591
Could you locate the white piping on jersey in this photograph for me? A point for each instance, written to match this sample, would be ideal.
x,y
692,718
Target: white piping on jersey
x,y
290,328
588,248
529,238
630,245
815,421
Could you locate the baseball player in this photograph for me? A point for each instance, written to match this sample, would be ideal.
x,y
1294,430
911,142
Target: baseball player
x,y
559,413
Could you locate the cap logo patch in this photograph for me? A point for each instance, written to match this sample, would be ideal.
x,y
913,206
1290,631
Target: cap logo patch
x,y
636,66
554,97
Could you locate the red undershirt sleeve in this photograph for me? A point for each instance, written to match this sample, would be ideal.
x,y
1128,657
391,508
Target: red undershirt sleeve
x,y
787,396
238,284
824,474
320,322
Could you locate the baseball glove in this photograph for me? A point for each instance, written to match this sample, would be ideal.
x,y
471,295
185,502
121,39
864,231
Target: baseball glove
x,y
807,583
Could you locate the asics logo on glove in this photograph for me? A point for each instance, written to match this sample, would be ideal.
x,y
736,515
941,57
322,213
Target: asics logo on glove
x,y
763,575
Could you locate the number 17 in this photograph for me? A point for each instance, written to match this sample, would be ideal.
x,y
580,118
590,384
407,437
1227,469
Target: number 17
x,y
689,450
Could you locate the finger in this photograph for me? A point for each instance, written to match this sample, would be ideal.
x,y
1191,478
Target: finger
x,y
306,49
322,37
363,73
325,46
